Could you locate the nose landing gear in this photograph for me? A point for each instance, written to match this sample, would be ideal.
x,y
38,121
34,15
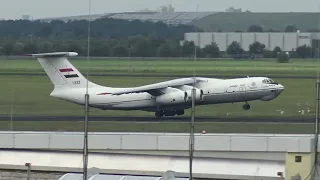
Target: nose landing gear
x,y
246,106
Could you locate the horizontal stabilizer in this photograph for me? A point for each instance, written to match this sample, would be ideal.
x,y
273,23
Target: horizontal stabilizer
x,y
54,54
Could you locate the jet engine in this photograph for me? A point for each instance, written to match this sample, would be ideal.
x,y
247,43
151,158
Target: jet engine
x,y
199,95
178,97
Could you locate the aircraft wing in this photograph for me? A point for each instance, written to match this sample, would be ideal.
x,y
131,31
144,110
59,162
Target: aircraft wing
x,y
158,88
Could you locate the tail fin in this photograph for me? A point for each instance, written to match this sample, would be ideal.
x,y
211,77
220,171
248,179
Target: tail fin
x,y
60,71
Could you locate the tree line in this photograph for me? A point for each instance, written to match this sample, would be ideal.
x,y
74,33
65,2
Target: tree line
x,y
116,38
288,28
105,28
100,28
139,46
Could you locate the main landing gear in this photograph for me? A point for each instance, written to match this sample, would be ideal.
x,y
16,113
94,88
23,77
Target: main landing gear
x,y
172,112
246,106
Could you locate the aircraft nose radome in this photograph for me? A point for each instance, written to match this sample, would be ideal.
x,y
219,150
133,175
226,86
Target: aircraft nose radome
x,y
281,88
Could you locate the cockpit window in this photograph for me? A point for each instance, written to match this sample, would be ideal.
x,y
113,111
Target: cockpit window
x,y
269,81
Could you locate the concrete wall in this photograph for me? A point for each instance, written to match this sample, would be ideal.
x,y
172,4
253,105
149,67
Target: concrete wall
x,y
235,151
286,41
157,141
220,168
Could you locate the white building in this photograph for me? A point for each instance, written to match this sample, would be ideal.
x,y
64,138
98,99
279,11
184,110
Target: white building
x,y
286,41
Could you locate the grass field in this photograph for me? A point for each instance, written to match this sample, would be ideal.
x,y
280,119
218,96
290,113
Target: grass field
x,y
30,94
179,67
161,127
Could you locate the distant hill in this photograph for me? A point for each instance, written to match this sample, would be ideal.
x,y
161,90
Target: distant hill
x,y
241,21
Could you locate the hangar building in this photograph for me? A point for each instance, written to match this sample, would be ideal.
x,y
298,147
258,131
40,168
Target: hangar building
x,y
286,41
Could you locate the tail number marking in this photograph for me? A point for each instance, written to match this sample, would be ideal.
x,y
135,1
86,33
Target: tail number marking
x,y
75,82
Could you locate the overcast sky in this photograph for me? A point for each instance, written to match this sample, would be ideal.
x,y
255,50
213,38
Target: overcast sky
x,y
13,9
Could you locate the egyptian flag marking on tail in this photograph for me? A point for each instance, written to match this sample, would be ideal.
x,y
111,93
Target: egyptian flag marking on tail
x,y
68,70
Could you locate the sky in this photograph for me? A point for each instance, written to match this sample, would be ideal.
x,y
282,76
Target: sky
x,y
14,9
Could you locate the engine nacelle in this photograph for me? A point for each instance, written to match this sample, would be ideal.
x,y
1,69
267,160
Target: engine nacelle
x,y
199,95
179,97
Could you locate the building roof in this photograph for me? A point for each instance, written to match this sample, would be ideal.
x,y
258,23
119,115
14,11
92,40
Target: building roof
x,y
241,21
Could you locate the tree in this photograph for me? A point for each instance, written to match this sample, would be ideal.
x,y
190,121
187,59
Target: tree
x,y
303,51
200,52
18,48
141,47
7,48
30,48
164,50
234,48
100,48
77,47
276,51
211,50
290,28
187,49
256,48
313,30
45,47
272,30
267,54
119,51
175,47
283,57
255,28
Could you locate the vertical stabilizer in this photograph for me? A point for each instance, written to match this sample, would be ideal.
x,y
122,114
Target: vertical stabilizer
x,y
60,71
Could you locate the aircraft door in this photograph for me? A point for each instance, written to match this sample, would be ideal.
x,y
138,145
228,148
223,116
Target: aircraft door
x,y
242,90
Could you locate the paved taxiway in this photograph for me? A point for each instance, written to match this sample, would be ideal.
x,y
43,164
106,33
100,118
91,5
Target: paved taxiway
x,y
164,119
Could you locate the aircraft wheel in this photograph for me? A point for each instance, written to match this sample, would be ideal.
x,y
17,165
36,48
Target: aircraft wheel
x,y
159,114
180,112
246,106
169,113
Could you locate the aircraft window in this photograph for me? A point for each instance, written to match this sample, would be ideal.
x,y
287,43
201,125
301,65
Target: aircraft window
x,y
268,81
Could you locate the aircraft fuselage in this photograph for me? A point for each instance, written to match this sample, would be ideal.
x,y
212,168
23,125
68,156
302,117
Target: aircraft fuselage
x,y
215,91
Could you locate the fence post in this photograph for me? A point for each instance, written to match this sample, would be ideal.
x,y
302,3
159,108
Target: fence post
x,y
28,171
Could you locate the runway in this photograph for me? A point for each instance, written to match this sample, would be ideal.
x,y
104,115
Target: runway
x,y
157,75
164,119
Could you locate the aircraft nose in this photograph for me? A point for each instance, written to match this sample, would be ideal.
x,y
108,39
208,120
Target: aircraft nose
x,y
280,88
